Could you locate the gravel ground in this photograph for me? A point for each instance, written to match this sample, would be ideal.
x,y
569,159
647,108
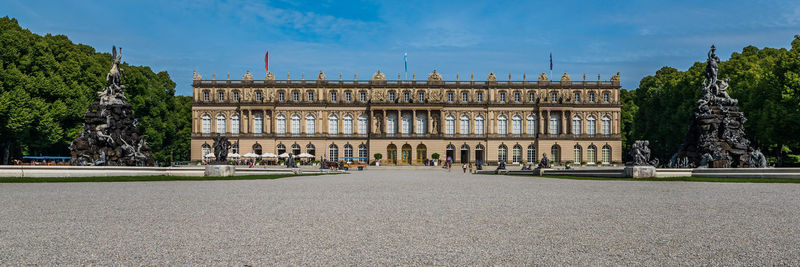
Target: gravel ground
x,y
401,218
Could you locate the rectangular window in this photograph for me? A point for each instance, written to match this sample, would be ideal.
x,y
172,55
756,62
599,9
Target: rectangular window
x,y
205,95
235,95
502,96
311,96
591,96
479,97
333,96
554,97
421,96
517,97
296,96
606,97
391,96
348,96
531,97
577,97
258,96
450,97
464,97
281,96
363,96
221,96
406,97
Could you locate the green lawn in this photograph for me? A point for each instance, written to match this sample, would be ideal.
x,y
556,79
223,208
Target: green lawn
x,y
142,178
683,179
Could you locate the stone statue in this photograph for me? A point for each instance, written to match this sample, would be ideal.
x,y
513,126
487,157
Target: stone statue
x,y
640,154
500,166
712,66
290,162
321,76
379,123
221,146
545,162
115,74
435,122
757,160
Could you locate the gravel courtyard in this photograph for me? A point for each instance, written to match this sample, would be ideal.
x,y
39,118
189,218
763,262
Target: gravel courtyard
x,y
401,217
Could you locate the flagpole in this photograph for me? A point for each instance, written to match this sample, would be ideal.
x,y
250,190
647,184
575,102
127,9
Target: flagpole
x,y
551,67
405,64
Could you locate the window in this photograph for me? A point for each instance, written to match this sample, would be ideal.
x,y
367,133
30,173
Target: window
x,y
295,124
333,96
464,125
280,127
516,154
311,124
259,97
553,124
348,151
516,125
391,96
464,97
555,152
311,96
517,97
363,152
363,96
235,124
422,124
591,125
479,125
295,149
502,154
576,125
406,97
479,97
606,125
333,153
577,152
281,96
348,96
450,122
406,124
554,97
531,153
391,123
591,96
449,96
606,154
606,97
281,149
221,123
348,125
310,149
577,97
205,95
206,124
531,97
531,129
235,95
591,154
502,124
421,96
221,96
295,96
333,125
206,150
502,96
258,123
363,121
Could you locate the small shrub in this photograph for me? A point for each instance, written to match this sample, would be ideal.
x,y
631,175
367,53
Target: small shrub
x,y
435,156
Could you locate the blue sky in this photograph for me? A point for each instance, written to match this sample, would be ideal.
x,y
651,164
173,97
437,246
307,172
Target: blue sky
x,y
635,38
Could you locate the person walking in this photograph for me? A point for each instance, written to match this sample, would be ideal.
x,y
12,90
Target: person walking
x,y
464,168
470,168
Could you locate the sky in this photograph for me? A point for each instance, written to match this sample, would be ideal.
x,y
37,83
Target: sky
x,y
635,38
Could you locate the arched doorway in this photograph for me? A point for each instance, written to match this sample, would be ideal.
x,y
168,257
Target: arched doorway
x,y
391,154
555,153
406,154
464,153
450,152
422,153
479,154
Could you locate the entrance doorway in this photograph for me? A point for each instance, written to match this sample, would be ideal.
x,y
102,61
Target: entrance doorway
x,y
391,154
479,154
464,153
406,154
450,152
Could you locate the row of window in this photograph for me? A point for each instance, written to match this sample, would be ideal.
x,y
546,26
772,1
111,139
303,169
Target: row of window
x,y
348,97
333,150
555,154
280,126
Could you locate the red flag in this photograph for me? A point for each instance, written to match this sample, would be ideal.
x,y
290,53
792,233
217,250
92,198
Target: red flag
x,y
266,62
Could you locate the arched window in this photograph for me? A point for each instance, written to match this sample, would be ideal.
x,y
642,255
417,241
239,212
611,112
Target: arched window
x,y
516,154
391,123
577,151
464,125
363,123
363,153
348,125
422,124
311,124
295,149
591,125
281,149
502,125
591,154
258,123
576,125
553,124
333,124
422,153
531,129
333,153
206,149
406,123
310,149
531,153
221,123
479,125
280,127
449,124
606,154
516,125
555,152
348,152
502,153
206,124
295,124
235,124
606,125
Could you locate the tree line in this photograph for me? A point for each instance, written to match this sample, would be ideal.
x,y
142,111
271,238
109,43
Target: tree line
x,y
48,82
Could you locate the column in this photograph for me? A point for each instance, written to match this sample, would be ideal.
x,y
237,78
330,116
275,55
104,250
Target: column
x,y
429,122
399,123
564,120
414,121
385,120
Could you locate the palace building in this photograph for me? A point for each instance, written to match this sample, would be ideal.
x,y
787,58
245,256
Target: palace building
x,y
408,121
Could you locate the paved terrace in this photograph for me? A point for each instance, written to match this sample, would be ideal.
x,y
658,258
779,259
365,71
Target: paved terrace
x,y
407,217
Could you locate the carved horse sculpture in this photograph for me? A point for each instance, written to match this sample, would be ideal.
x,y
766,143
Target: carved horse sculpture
x,y
115,74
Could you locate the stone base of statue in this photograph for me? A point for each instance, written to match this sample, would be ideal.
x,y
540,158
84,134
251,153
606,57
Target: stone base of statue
x,y
220,170
540,171
640,171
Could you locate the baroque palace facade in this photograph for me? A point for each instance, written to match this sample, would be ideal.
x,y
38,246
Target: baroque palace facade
x,y
408,121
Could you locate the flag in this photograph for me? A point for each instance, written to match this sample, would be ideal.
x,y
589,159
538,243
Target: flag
x,y
551,61
266,62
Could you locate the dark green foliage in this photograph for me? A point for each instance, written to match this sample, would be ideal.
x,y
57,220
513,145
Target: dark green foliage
x,y
47,83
